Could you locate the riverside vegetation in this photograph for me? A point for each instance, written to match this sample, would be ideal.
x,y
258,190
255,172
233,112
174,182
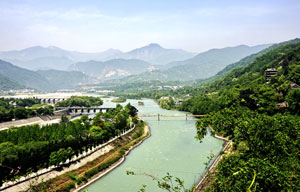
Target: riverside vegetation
x,y
80,101
260,116
13,108
30,148
262,119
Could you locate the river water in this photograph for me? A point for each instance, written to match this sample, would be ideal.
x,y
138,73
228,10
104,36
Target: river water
x,y
171,148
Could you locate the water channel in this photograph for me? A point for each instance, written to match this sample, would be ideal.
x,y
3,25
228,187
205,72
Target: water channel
x,y
171,148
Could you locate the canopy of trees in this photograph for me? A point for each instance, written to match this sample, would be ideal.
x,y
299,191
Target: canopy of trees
x,y
13,108
29,148
80,101
265,132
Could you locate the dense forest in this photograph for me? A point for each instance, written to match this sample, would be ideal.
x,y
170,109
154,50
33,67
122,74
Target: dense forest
x,y
261,116
14,108
80,101
29,148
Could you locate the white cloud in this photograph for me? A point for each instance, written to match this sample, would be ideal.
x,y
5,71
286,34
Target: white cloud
x,y
235,11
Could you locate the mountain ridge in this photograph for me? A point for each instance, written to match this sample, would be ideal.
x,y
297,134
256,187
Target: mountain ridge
x,y
29,57
203,65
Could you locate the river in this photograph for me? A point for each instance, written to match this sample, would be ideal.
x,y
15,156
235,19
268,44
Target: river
x,y
171,148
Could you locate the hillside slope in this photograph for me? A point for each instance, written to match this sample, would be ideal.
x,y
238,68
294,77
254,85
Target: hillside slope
x,y
7,84
13,77
201,66
24,77
111,69
38,57
261,117
64,79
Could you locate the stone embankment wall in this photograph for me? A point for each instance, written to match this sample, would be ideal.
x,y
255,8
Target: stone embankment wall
x,y
227,148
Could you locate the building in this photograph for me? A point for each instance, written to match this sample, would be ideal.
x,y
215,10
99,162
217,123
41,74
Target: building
x,y
270,72
178,102
283,104
295,86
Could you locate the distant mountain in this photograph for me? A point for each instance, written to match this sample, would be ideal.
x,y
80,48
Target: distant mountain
x,y
111,69
155,54
201,66
64,79
38,57
15,77
42,63
247,60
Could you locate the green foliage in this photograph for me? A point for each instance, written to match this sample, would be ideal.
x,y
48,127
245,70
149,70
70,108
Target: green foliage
x,y
166,183
13,108
119,100
33,147
293,99
166,103
80,101
60,156
265,136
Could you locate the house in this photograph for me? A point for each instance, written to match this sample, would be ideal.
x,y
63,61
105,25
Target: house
x,y
283,104
270,72
295,86
178,102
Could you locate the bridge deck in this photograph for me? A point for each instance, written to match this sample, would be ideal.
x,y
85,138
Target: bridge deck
x,y
175,115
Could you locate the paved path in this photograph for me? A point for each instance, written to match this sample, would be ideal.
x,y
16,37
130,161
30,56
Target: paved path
x,y
29,121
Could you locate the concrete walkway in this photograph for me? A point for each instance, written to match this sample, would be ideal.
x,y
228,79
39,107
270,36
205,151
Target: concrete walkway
x,y
115,165
29,121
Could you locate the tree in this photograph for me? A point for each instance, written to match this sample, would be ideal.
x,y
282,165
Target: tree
x,y
293,99
60,156
132,110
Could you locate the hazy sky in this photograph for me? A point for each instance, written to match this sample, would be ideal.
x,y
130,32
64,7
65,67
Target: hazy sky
x,y
193,25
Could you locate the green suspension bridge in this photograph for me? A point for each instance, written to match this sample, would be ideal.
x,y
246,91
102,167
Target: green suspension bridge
x,y
176,115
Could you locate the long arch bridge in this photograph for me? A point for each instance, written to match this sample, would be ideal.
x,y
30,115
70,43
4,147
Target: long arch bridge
x,y
81,110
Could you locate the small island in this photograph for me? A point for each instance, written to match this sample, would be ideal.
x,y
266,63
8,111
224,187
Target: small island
x,y
140,103
119,100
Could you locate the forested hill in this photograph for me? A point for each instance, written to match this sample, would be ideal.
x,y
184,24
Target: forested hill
x,y
14,77
24,77
261,117
7,84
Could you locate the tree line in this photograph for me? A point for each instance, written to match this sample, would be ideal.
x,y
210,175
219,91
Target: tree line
x,y
15,108
261,117
80,101
30,148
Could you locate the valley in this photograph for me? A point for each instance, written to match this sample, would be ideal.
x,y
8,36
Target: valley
x,y
101,113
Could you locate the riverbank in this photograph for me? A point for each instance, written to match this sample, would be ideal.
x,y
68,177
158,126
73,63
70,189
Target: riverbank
x,y
208,177
145,135
93,166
